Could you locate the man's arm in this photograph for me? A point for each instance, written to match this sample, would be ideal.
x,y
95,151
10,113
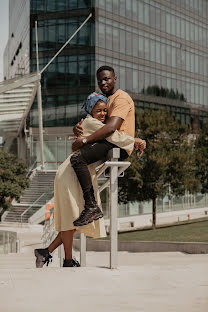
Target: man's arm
x,y
113,123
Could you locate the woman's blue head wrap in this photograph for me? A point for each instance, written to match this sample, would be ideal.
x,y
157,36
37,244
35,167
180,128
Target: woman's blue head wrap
x,y
91,100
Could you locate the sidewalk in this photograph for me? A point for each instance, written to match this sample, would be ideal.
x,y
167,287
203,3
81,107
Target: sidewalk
x,y
143,282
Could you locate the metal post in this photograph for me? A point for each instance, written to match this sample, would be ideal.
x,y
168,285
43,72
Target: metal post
x,y
8,247
83,244
40,113
61,255
114,212
4,241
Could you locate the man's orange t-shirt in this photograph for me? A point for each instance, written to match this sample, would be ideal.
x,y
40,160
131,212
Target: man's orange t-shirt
x,y
121,105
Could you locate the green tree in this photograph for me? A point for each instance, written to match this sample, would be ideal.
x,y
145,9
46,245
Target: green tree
x,y
168,161
13,179
201,150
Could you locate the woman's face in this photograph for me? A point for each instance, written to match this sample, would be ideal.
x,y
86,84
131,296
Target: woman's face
x,y
100,111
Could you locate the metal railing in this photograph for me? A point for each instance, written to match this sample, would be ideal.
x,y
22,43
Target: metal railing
x,y
8,242
35,206
116,168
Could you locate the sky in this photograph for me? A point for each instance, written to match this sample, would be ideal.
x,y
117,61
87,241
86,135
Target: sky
x,y
4,27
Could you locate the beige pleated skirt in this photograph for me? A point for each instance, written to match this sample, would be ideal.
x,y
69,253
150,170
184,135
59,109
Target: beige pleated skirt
x,y
69,201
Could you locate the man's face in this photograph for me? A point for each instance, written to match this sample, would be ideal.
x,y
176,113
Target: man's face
x,y
106,82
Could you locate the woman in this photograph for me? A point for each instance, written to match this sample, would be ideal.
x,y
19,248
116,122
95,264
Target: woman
x,y
67,200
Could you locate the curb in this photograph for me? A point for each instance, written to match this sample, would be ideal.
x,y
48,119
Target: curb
x,y
147,246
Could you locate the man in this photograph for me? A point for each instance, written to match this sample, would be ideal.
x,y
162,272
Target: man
x,y
121,116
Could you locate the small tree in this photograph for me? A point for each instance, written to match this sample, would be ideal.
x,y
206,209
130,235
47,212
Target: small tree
x,y
201,151
167,162
13,179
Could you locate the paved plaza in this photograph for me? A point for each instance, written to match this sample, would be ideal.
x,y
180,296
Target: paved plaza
x,y
143,282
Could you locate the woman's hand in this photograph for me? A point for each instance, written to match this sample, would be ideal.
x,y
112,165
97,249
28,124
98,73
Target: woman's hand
x,y
77,144
78,130
139,144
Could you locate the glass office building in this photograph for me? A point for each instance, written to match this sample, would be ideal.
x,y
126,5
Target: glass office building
x,y
159,49
157,43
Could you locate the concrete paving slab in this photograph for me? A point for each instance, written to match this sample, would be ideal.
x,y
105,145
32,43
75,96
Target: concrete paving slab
x,y
143,282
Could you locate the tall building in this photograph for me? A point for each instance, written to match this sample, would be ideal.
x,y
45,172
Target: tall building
x,y
159,49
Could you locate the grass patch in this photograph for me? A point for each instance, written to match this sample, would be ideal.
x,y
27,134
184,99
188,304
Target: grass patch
x,y
188,231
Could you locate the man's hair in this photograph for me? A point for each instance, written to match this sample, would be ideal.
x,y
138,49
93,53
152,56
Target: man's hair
x,y
105,67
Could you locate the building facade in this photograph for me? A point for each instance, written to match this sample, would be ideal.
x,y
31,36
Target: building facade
x,y
159,49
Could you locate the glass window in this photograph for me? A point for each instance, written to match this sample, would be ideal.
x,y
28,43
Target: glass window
x,y
61,5
135,81
192,32
84,35
158,19
70,29
141,47
51,5
72,67
134,9
101,36
173,25
140,12
183,59
196,30
152,17
152,50
122,41
129,80
187,61
163,54
178,31
201,65
128,43
146,48
174,57
168,23
52,33
108,5
157,52
115,6
200,35
146,14
109,37
115,39
168,83
169,59
147,80
192,93
183,31
192,63
122,8
128,9
163,21
201,100
101,4
135,45
141,80
187,31
72,4
204,35
122,76
196,63
61,33
197,95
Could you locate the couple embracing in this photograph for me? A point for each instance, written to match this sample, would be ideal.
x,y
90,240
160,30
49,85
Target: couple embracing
x,y
110,122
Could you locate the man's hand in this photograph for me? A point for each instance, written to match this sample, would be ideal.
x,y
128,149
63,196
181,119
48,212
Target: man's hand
x,y
78,130
77,144
139,144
